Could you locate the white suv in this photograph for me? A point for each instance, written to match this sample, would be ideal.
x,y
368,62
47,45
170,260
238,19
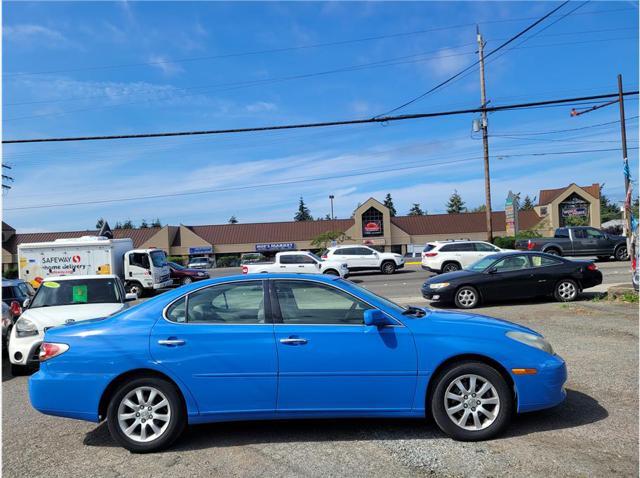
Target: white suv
x,y
450,256
363,258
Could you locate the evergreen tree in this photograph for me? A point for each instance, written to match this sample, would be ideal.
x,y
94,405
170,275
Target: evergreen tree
x,y
415,210
303,213
527,204
127,224
233,220
144,224
99,223
608,210
480,208
455,205
388,202
156,223
118,225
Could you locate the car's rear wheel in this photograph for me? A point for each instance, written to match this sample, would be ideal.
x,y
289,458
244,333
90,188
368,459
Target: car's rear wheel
x,y
145,415
467,297
621,253
553,252
451,267
187,280
471,401
566,290
388,267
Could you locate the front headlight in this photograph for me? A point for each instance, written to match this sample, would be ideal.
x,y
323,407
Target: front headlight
x,y
531,340
439,285
26,328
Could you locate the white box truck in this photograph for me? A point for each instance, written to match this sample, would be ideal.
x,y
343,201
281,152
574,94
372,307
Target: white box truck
x,y
140,269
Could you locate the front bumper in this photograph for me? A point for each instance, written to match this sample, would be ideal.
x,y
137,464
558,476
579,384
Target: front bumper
x,y
24,350
163,285
441,295
543,390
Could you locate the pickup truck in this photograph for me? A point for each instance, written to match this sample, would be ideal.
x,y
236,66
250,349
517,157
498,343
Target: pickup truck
x,y
578,241
300,262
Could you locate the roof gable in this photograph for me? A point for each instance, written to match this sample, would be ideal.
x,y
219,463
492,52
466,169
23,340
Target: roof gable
x,y
547,196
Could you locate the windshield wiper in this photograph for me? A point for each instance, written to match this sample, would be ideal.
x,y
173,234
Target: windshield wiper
x,y
411,310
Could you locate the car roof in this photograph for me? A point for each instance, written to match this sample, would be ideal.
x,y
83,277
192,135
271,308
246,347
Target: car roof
x,y
10,282
87,277
457,241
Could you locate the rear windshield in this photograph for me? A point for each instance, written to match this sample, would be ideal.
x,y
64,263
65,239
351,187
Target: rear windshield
x,y
428,247
73,292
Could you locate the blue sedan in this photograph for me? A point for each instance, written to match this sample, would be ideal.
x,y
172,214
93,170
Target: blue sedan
x,y
272,346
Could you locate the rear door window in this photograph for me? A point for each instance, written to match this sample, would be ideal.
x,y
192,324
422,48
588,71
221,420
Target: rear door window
x,y
483,247
544,261
428,247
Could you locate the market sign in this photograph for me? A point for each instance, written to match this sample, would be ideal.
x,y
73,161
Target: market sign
x,y
571,210
372,228
511,207
201,250
276,246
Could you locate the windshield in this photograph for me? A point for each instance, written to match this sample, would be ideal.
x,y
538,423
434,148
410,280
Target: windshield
x,y
158,258
315,257
482,264
198,260
370,295
80,291
173,265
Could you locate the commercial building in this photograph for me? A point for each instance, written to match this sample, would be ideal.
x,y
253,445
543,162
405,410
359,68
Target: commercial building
x,y
371,224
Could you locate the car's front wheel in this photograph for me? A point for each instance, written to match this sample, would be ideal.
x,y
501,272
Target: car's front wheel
x,y
471,401
146,415
467,297
21,370
331,272
388,267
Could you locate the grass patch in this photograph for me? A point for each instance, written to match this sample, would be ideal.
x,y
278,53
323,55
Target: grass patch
x,y
629,297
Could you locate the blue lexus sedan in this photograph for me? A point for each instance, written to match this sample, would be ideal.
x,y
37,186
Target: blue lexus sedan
x,y
272,346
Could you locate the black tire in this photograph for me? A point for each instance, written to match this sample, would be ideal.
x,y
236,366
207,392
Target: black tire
x,y
388,267
135,288
553,251
176,424
331,272
566,290
21,370
467,297
621,253
186,280
462,371
450,267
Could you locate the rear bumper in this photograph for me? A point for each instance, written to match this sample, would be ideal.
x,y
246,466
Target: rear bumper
x,y
592,280
430,269
543,390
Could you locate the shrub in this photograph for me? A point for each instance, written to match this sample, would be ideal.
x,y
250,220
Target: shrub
x,y
506,242
228,261
10,273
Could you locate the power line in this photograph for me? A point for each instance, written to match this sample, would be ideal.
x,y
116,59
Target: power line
x,y
303,180
475,63
527,133
384,119
291,48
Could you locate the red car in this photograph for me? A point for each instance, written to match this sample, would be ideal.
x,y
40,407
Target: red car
x,y
181,275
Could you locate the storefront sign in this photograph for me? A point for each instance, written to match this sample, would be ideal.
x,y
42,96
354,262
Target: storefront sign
x,y
571,210
511,207
276,246
372,228
374,242
200,250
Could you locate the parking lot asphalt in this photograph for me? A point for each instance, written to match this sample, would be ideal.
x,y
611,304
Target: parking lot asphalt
x,y
593,433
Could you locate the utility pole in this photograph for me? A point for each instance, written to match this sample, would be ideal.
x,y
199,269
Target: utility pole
x,y
627,180
331,196
485,139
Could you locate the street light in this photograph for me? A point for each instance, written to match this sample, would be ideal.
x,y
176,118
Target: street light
x,y
331,196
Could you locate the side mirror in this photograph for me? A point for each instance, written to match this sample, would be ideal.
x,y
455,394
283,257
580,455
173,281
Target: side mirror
x,y
493,270
130,296
375,318
26,303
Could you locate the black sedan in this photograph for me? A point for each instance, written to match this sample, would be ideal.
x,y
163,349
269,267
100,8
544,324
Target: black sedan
x,y
513,275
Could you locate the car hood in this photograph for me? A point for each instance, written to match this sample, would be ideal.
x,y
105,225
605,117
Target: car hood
x,y
451,276
462,323
192,271
53,316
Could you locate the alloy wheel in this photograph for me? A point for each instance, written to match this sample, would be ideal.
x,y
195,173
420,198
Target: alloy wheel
x,y
567,290
621,253
187,280
451,268
144,414
472,402
466,297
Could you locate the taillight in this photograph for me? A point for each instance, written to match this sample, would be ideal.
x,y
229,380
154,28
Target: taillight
x,y
324,256
48,350
16,310
592,267
430,254
245,270
530,244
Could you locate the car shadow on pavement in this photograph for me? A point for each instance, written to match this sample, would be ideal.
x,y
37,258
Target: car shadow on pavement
x,y
584,297
6,368
578,409
378,273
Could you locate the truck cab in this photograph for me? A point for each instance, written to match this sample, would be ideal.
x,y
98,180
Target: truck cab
x,y
146,269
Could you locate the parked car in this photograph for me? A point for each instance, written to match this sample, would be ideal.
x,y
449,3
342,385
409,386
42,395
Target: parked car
x,y
513,275
450,256
59,301
16,289
299,262
7,323
181,275
579,241
200,263
337,351
363,258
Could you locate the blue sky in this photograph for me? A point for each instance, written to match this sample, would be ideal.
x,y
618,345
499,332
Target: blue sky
x,y
130,67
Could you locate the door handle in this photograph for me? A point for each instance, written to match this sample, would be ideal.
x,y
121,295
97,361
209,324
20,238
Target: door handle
x,y
171,342
293,341
301,266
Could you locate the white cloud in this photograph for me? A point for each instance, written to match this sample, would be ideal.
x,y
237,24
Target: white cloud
x,y
165,65
31,35
260,106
